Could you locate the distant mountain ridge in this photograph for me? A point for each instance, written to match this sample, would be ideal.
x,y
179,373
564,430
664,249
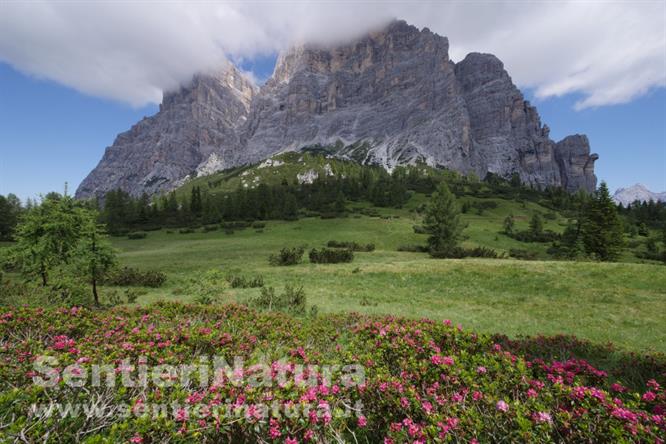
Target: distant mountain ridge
x,y
392,97
638,192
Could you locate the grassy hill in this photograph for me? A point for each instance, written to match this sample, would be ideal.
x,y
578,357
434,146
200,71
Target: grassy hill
x,y
285,166
621,302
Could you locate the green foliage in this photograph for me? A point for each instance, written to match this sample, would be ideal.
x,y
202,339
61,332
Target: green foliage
x,y
287,256
536,225
291,300
331,255
128,276
602,231
62,234
353,246
10,211
238,281
137,235
460,253
509,224
47,236
94,256
442,222
518,253
571,244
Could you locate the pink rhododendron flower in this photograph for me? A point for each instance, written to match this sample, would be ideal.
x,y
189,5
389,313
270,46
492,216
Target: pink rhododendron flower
x,y
481,370
362,421
136,439
502,406
649,396
542,417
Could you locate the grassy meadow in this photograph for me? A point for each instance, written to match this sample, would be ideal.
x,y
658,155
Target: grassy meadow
x,y
624,303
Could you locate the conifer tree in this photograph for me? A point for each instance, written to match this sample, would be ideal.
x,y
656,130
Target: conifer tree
x,y
601,228
536,225
442,221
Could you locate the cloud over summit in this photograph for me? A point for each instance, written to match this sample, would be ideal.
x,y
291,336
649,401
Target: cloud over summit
x,y
606,52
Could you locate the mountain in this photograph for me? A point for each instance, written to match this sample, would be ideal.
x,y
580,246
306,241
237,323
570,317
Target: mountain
x,y
391,97
639,192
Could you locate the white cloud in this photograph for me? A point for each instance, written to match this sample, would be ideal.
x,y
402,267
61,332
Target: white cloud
x,y
609,52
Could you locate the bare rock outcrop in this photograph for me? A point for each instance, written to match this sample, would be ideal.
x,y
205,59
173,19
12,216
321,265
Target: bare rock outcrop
x,y
392,97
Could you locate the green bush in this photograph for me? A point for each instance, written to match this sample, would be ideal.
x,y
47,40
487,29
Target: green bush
x,y
413,248
128,276
209,228
354,246
287,256
258,225
523,254
460,253
331,255
236,225
419,229
186,231
291,300
238,281
137,235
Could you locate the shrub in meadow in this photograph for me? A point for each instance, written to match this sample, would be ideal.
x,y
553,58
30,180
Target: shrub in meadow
x,y
413,248
238,281
331,255
354,246
287,256
137,235
128,276
291,300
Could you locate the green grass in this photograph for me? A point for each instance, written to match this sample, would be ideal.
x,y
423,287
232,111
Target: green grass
x,y
624,303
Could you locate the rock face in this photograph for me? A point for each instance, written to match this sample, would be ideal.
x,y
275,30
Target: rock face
x,y
638,192
197,127
392,97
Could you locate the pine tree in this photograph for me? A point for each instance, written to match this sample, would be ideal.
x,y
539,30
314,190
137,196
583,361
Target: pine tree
x,y
94,253
290,209
509,224
601,228
571,245
196,205
536,225
442,221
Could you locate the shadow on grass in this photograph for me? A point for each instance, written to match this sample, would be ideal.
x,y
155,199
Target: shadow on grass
x,y
629,368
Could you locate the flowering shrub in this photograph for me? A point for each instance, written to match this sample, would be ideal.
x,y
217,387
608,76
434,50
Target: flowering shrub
x,y
423,381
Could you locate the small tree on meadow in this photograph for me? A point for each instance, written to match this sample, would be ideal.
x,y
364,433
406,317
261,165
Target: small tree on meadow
x,y
94,253
602,230
536,225
509,224
442,221
47,235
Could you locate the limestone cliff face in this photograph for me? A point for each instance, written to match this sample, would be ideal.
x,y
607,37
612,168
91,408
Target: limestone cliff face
x,y
392,97
198,121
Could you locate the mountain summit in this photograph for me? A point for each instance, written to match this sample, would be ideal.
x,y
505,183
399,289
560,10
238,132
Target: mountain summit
x,y
638,192
392,97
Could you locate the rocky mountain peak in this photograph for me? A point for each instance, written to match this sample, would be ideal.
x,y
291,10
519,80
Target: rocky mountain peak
x,y
637,192
390,97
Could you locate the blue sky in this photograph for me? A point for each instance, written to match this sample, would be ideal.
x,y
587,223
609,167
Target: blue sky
x,y
51,134
75,74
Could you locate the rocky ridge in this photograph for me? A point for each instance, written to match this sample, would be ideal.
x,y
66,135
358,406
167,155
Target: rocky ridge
x,y
392,97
